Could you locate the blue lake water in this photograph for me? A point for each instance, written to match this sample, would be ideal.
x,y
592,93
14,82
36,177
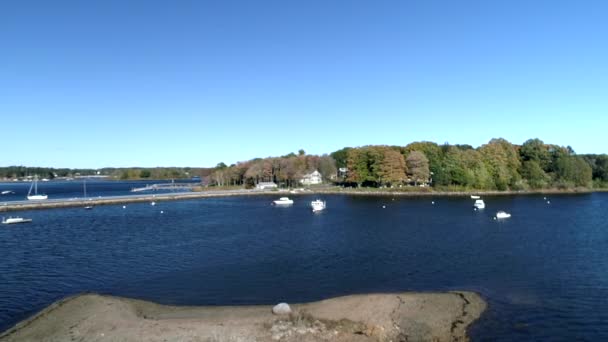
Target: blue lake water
x,y
544,272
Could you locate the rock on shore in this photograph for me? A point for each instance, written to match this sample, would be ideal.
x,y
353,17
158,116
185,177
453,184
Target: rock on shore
x,y
373,317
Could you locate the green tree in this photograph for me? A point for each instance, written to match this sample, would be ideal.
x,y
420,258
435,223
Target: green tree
x,y
502,161
341,157
536,150
573,170
534,174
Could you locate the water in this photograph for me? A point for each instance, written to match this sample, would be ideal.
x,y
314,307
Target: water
x,y
544,272
75,188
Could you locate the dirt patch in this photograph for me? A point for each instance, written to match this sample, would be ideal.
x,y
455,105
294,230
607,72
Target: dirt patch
x,y
373,317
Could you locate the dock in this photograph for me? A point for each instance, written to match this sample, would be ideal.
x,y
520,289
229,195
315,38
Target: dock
x,y
176,187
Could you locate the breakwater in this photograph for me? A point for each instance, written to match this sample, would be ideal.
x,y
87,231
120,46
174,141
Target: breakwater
x,y
114,200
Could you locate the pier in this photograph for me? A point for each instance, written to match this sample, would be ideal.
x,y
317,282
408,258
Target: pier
x,y
167,186
115,200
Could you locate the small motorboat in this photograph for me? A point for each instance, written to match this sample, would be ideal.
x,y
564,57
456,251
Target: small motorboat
x,y
475,197
283,201
14,220
502,215
317,205
7,192
479,204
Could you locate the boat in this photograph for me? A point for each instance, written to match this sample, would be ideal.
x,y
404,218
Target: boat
x,y
502,215
14,220
35,196
84,186
317,205
479,204
475,197
7,192
283,201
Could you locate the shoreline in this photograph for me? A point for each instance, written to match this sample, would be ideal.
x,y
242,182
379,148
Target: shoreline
x,y
117,200
415,316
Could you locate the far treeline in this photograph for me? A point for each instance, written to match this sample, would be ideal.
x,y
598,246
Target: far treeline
x,y
19,172
497,165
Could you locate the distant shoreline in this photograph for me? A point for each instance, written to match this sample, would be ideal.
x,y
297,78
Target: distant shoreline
x,y
117,200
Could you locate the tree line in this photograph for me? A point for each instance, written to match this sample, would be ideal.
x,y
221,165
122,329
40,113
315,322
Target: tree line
x,y
497,165
285,171
19,172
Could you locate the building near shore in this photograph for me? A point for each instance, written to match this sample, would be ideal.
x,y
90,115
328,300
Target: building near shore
x,y
312,178
266,185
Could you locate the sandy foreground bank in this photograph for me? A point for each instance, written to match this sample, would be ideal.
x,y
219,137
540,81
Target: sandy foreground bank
x,y
373,317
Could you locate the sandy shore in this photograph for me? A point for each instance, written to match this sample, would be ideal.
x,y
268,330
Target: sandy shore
x,y
373,317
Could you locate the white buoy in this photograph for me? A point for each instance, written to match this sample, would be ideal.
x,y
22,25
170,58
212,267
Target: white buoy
x,y
548,202
153,203
494,218
124,207
545,198
383,207
432,202
162,212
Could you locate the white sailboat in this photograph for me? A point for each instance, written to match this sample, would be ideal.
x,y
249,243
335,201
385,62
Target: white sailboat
x,y
35,196
84,184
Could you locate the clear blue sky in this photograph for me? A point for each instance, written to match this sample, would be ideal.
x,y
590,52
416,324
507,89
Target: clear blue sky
x,y
193,83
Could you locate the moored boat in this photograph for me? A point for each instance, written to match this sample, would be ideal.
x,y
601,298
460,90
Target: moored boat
x,y
283,201
35,196
14,220
317,205
502,215
475,197
479,204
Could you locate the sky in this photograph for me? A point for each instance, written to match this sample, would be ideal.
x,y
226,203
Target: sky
x,y
194,83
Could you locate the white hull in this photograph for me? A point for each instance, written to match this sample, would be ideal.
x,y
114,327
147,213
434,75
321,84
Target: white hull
x,y
7,192
37,197
502,215
14,220
317,206
479,204
475,197
283,201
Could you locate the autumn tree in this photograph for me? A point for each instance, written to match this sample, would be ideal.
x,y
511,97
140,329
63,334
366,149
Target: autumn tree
x,y
418,167
391,168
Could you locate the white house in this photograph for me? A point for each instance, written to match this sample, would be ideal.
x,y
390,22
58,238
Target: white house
x,y
266,185
312,178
